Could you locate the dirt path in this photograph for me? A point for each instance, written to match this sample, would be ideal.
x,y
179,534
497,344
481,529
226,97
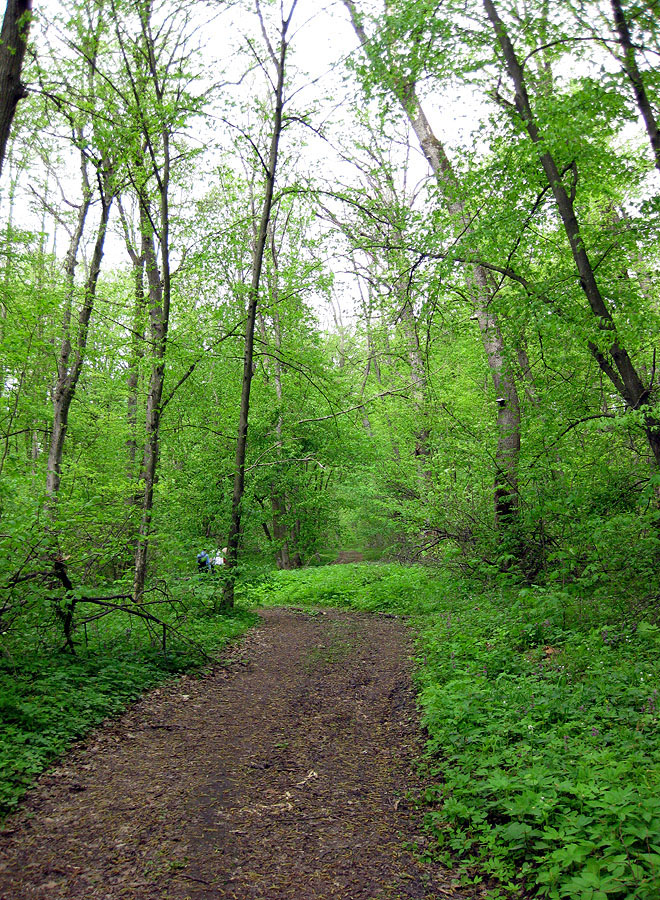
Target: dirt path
x,y
283,775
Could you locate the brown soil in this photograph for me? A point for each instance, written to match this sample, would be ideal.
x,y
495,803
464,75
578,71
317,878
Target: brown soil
x,y
348,556
284,774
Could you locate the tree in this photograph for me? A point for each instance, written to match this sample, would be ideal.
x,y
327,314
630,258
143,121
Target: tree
x,y
610,352
153,96
71,101
13,42
278,58
479,282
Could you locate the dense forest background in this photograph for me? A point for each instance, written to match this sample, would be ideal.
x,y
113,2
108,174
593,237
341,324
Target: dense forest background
x,y
487,389
291,279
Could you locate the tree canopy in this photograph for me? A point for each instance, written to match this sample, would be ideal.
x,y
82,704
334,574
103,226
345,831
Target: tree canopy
x,y
280,280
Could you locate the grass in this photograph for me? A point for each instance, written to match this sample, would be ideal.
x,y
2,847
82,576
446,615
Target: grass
x,y
541,708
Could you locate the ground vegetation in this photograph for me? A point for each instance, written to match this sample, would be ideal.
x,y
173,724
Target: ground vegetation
x,y
401,302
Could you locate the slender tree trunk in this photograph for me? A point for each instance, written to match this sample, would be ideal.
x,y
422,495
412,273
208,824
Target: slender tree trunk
x,y
616,364
70,265
137,257
391,425
280,531
159,313
68,372
507,454
277,498
13,40
151,59
296,559
419,385
233,539
137,353
508,418
629,62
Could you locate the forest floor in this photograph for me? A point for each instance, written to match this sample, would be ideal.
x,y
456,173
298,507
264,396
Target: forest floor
x,y
287,772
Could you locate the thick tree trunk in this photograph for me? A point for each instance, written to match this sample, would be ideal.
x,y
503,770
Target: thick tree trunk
x,y
234,537
616,364
13,39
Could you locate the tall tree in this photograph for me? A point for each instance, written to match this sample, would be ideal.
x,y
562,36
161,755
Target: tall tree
x,y
479,282
152,103
97,182
278,58
610,352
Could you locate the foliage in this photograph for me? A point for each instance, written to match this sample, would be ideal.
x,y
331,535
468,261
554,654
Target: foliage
x,y
383,434
49,698
541,706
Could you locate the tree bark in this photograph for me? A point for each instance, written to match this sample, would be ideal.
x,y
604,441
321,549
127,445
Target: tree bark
x,y
234,537
13,41
616,364
508,417
631,69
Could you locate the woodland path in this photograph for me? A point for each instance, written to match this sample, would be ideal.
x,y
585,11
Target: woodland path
x,y
283,774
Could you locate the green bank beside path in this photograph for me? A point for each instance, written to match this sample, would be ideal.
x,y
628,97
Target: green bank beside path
x,y
542,717
48,699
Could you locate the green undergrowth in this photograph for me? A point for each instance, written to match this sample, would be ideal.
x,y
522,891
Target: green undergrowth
x,y
542,714
49,698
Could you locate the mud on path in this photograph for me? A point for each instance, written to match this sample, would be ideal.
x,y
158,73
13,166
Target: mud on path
x,y
284,774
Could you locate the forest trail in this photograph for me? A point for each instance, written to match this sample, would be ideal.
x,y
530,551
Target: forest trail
x,y
283,774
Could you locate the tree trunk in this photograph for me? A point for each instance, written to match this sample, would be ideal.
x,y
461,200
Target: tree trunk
x,y
159,313
13,40
137,257
278,497
68,372
508,418
234,537
280,532
419,386
137,353
617,364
